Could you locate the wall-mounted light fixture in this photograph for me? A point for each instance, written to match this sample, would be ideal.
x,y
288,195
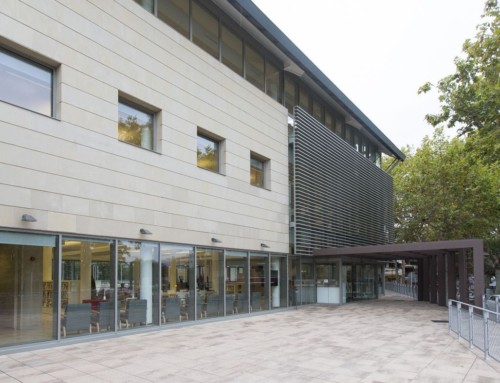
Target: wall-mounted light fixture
x,y
145,231
28,218
263,245
215,240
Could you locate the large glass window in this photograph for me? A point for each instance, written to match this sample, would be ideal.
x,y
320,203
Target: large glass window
x,y
210,282
317,110
291,97
87,287
294,284
27,293
259,282
273,81
138,284
278,281
174,12
231,50
25,83
257,170
254,67
148,5
207,153
305,100
236,282
308,289
135,125
177,282
205,30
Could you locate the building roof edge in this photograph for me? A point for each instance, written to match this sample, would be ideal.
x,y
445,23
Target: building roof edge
x,y
255,16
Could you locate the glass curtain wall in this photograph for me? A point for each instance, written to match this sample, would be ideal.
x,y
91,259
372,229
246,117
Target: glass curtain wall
x,y
308,289
87,287
278,281
259,281
27,293
209,282
236,282
294,285
177,282
138,291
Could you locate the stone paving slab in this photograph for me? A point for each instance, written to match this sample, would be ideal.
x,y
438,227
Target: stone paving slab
x,y
388,340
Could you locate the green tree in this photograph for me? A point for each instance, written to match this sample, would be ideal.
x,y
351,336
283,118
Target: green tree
x,y
470,97
443,192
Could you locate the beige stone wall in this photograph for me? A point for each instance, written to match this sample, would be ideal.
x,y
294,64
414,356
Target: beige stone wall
x,y
74,176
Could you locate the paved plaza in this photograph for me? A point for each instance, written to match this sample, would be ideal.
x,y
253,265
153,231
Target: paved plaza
x,y
389,340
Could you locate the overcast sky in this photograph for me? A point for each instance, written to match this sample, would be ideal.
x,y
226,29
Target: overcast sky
x,y
379,52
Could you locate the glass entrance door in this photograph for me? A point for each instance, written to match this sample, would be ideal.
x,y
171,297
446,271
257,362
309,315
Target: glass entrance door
x,y
359,282
27,291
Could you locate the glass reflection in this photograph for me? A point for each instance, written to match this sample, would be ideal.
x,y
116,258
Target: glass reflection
x,y
25,83
209,283
27,295
259,282
138,281
87,287
177,276
236,282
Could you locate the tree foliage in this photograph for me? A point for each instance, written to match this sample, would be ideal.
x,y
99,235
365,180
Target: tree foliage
x,y
444,192
470,97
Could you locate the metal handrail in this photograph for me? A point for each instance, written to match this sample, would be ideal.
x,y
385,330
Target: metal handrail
x,y
466,322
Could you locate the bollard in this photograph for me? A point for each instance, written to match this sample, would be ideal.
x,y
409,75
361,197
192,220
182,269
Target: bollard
x,y
450,305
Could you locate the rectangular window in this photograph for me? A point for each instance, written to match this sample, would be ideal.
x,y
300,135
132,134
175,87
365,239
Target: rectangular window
x,y
257,170
305,100
273,80
254,67
205,30
25,83
148,5
175,13
317,110
329,121
135,125
231,50
290,94
207,153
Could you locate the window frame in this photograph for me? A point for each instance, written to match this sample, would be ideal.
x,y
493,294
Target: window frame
x,y
33,62
265,170
143,109
218,143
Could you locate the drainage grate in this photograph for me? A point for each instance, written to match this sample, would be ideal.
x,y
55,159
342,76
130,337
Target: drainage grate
x,y
439,321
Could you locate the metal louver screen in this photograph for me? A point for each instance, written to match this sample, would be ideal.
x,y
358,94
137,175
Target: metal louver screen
x,y
341,197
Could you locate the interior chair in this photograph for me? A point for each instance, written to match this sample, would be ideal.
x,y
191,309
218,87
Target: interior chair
x,y
230,309
104,318
256,301
241,303
171,309
135,312
189,306
212,307
77,317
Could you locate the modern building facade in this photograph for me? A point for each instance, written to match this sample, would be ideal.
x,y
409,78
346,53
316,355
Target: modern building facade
x,y
171,160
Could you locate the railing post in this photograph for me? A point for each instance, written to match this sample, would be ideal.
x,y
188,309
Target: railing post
x,y
486,335
450,303
496,308
459,320
471,329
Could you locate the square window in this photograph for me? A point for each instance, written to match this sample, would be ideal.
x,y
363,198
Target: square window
x,y
135,125
25,83
207,153
258,167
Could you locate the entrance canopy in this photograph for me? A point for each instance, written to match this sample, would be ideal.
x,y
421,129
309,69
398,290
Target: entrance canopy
x,y
439,264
